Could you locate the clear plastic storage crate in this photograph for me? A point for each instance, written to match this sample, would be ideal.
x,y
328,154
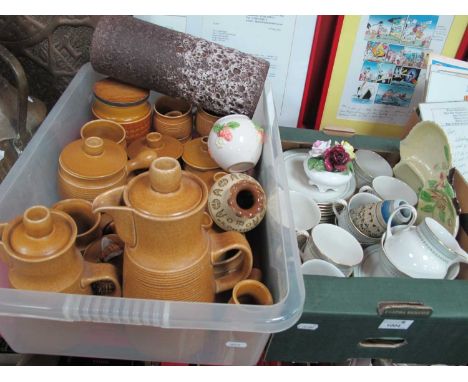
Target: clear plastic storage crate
x,y
150,330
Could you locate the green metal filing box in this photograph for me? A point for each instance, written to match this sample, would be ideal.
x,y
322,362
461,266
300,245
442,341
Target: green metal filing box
x,y
406,320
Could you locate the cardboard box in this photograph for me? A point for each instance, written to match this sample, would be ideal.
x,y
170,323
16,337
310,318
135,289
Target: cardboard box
x,y
405,320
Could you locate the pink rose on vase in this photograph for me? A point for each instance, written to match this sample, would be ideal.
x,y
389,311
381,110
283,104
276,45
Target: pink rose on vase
x,y
336,159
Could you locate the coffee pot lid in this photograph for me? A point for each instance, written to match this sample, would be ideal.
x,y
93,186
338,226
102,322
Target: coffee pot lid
x,y
93,157
165,190
197,156
118,93
41,233
163,145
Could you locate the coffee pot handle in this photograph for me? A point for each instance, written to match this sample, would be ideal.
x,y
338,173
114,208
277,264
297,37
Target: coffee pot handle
x,y
101,272
340,202
226,241
414,215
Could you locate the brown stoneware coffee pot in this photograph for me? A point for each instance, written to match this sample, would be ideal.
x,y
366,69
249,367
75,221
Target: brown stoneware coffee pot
x,y
88,167
39,249
169,246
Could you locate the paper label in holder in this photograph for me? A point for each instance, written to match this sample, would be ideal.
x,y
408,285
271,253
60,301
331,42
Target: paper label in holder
x,y
396,324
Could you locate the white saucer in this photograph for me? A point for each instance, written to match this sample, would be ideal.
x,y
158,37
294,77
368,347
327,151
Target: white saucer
x,y
298,180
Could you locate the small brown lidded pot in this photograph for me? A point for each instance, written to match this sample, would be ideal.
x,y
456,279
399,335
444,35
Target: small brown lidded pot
x,y
91,166
39,249
173,117
205,120
105,129
162,145
198,161
125,104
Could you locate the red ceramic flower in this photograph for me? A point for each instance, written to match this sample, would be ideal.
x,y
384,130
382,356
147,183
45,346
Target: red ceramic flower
x,y
336,158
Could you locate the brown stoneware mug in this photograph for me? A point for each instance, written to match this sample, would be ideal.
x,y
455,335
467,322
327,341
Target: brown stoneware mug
x,y
251,292
39,249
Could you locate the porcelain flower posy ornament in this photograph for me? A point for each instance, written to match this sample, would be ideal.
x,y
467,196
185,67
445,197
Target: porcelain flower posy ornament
x,y
328,166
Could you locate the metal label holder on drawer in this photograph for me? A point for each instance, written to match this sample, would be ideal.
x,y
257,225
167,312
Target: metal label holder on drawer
x,y
406,320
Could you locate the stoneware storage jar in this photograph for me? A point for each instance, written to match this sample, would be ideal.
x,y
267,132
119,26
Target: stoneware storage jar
x,y
235,143
169,247
39,249
125,104
173,117
91,166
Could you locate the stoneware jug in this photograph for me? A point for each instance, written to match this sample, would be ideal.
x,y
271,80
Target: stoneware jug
x,y
424,251
39,249
91,166
169,247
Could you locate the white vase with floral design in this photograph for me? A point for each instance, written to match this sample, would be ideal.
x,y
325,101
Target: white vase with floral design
x,y
235,143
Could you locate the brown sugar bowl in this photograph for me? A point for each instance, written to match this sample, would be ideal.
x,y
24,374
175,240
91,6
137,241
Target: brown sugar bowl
x,y
39,249
125,104
198,161
204,121
91,166
162,145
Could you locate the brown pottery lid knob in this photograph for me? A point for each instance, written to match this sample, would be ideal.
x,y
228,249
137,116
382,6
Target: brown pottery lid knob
x,y
204,144
165,175
154,140
93,146
38,222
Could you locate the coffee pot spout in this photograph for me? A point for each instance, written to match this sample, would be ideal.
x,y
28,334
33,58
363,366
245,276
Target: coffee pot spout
x,y
111,203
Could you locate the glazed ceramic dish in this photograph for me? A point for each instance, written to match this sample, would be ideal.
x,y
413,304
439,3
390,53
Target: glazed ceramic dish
x,y
298,180
425,162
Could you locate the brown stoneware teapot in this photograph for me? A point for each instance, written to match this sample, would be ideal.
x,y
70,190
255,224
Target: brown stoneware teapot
x,y
39,249
169,246
88,167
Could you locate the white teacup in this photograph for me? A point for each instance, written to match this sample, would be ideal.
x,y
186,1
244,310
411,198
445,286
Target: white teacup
x,y
306,215
389,188
344,220
334,244
319,267
369,165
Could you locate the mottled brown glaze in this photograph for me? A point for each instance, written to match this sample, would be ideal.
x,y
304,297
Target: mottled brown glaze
x,y
169,248
39,249
213,76
91,166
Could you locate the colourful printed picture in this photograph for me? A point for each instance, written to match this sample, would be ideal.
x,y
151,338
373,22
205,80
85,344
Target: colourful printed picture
x,y
376,51
385,28
419,30
380,72
406,56
395,95
365,92
406,76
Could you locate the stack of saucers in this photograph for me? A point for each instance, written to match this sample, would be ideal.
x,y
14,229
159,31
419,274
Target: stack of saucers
x,y
327,214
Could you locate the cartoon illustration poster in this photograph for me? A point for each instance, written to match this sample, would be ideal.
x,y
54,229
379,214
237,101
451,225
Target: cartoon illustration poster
x,y
385,79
